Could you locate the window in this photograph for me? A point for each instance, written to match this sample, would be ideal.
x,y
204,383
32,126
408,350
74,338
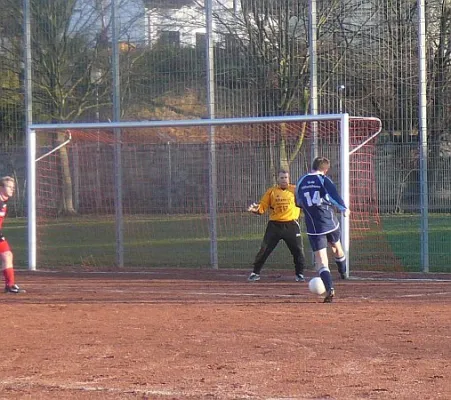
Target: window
x,y
170,38
201,41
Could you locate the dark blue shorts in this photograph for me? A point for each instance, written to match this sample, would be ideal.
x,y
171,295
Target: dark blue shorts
x,y
318,242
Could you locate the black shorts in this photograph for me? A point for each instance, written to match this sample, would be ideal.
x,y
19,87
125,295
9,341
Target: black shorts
x,y
318,242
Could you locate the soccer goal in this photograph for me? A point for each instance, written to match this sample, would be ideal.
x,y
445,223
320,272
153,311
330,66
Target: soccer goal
x,y
174,193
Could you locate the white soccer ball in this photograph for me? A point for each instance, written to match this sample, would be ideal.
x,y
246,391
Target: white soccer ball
x,y
316,286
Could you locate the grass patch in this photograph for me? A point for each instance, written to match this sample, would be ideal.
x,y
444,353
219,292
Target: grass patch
x,y
165,241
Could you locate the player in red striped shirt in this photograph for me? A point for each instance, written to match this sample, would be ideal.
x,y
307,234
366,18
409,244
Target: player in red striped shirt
x,y
7,187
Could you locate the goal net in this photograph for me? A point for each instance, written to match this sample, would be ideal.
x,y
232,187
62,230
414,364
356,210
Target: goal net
x,y
168,175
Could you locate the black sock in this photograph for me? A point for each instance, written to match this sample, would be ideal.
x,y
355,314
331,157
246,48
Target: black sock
x,y
341,264
326,277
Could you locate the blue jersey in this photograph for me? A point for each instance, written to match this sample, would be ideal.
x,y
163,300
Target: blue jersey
x,y
317,195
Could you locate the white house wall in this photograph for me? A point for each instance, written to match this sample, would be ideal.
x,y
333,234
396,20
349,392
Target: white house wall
x,y
187,20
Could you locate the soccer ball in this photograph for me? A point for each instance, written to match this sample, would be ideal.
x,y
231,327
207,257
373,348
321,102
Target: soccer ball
x,y
316,286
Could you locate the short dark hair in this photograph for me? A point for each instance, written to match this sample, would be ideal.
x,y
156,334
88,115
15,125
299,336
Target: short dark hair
x,y
320,164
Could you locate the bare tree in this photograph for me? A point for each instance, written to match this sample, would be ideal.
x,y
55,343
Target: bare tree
x,y
440,76
272,53
67,44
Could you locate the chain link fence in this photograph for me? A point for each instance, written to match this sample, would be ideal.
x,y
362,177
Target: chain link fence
x,y
367,65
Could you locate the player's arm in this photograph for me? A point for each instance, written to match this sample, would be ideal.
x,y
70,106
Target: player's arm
x,y
298,194
260,208
334,197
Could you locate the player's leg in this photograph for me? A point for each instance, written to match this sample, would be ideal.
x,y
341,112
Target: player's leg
x,y
339,254
293,239
270,240
319,247
6,257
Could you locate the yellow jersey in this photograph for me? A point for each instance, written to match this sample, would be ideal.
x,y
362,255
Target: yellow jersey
x,y
281,204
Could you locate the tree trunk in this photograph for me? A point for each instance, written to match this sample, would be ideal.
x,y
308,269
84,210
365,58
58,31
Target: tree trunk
x,y
66,205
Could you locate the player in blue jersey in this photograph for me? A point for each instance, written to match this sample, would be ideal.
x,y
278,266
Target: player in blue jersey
x,y
318,197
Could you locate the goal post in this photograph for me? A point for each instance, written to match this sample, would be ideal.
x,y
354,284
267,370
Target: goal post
x,y
166,170
345,186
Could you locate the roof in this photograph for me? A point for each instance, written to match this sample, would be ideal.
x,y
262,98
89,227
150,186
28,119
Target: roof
x,y
167,3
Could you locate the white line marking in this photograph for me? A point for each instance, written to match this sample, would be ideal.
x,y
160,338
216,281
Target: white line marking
x,y
354,278
425,294
241,274
20,384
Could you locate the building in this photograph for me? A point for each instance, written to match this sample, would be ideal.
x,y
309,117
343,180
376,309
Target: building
x,y
183,22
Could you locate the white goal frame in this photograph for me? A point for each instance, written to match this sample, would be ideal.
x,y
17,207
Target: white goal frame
x,y
32,129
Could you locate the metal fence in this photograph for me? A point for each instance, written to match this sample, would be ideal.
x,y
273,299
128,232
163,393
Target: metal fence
x,y
98,60
171,186
396,171
151,60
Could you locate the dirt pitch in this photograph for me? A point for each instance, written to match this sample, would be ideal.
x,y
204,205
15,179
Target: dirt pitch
x,y
208,334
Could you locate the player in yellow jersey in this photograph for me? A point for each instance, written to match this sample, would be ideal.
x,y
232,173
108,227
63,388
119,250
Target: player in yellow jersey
x,y
282,225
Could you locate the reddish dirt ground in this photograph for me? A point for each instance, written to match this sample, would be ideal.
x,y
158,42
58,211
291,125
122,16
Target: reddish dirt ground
x,y
208,334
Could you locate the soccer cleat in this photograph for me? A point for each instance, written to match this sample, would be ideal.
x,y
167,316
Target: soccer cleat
x,y
329,296
300,278
13,289
253,277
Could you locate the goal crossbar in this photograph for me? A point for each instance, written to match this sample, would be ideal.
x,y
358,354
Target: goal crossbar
x,y
190,122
